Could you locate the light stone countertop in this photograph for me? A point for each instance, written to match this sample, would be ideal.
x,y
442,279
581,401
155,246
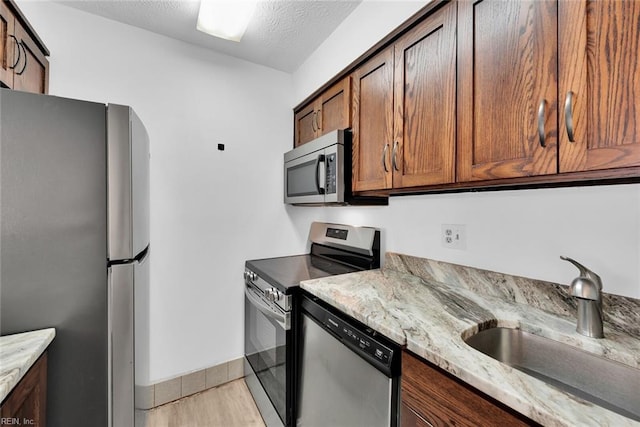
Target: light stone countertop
x,y
18,353
431,306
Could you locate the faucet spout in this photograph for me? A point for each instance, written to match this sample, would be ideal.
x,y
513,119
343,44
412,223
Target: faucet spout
x,y
587,288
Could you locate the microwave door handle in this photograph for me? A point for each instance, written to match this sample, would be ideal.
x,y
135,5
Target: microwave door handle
x,y
318,161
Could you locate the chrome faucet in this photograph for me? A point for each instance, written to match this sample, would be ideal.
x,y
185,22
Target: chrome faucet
x,y
588,289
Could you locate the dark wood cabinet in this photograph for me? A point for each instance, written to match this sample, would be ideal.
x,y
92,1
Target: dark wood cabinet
x,y
507,89
488,93
305,128
599,84
8,45
433,397
404,109
410,418
511,98
23,62
27,402
373,123
329,111
425,102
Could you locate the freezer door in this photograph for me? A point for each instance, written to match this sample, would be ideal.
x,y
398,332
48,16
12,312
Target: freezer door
x,y
124,281
128,178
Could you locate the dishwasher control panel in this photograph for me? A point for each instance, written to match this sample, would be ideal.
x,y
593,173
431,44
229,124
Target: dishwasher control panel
x,y
362,340
371,346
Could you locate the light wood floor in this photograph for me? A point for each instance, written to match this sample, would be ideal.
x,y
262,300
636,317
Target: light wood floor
x,y
229,405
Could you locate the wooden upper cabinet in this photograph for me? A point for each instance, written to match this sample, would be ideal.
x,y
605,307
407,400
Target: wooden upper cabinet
x,y
32,72
329,111
599,50
23,62
373,123
507,89
334,110
305,125
425,102
7,45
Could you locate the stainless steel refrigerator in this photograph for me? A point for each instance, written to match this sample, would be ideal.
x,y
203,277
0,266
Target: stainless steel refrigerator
x,y
74,214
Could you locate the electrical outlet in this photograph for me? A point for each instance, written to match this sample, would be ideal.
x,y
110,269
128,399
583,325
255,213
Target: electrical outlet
x,y
454,236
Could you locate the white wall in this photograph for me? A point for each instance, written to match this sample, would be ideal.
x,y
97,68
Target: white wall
x,y
209,208
371,21
519,232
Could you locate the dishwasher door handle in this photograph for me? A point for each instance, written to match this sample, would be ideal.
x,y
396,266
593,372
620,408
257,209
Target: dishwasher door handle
x,y
283,319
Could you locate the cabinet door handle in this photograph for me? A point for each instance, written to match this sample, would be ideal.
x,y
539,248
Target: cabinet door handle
x,y
19,54
541,118
395,156
384,157
568,116
314,127
318,119
24,67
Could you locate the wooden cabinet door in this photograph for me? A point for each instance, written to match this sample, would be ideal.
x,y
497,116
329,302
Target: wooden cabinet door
x,y
507,89
330,111
28,400
7,45
373,123
425,102
599,44
32,71
410,418
439,399
334,110
305,125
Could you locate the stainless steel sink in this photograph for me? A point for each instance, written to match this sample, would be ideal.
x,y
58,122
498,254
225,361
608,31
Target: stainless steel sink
x,y
606,383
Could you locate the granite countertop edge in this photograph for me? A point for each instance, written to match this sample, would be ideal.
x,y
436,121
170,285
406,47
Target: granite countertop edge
x,y
432,319
18,353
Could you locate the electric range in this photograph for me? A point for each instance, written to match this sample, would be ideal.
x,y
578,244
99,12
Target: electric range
x,y
271,310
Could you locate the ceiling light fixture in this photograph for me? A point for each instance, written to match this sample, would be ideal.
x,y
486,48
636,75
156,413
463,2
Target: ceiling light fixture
x,y
225,19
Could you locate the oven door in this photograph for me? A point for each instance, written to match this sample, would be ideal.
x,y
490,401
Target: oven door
x,y
267,369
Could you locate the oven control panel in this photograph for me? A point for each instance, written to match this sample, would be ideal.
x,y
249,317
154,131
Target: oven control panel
x,y
267,291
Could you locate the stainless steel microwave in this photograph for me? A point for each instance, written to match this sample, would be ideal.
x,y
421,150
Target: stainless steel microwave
x,y
319,173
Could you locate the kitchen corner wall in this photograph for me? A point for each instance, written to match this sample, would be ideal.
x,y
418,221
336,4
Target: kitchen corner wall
x,y
210,210
517,232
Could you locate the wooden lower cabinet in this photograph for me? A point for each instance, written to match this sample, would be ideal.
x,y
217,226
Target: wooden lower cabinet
x,y
410,418
27,402
433,397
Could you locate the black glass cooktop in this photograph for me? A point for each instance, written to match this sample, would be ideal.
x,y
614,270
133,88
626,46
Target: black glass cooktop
x,y
287,272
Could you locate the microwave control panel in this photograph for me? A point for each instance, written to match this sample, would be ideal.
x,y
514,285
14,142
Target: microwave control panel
x,y
331,174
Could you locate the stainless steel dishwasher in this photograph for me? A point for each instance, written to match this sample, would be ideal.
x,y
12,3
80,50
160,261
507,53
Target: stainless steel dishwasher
x,y
348,374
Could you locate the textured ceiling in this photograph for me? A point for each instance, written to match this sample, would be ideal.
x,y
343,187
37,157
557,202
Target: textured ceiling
x,y
281,34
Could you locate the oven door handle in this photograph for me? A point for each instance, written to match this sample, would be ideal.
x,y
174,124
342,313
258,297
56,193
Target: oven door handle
x,y
282,319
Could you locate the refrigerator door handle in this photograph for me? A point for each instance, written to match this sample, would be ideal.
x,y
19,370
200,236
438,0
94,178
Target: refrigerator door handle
x,y
128,176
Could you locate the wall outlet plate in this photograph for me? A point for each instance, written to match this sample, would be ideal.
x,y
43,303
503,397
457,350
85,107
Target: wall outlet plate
x,y
454,236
